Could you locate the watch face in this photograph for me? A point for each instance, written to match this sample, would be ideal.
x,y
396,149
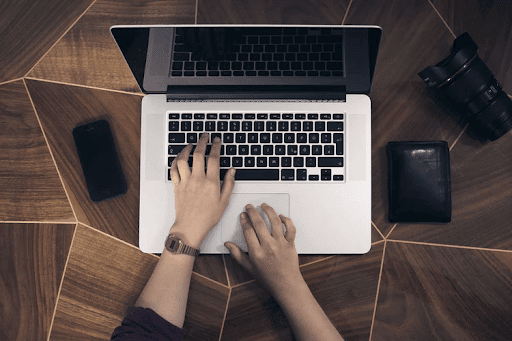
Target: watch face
x,y
174,244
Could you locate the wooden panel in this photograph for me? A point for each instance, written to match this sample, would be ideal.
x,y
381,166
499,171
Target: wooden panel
x,y
440,293
63,107
413,38
30,186
481,185
271,12
32,259
88,55
489,24
344,286
105,276
30,28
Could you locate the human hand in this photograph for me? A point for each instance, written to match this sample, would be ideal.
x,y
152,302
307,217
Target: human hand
x,y
199,202
273,260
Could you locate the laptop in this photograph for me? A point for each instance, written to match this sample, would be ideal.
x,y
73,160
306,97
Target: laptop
x,y
291,105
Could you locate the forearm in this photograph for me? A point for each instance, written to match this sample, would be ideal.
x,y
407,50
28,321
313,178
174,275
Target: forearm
x,y
166,291
307,319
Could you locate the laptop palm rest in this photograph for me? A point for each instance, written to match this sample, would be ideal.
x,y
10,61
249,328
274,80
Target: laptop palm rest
x,y
231,229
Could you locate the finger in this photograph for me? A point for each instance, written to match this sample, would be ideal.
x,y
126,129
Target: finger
x,y
175,175
213,171
250,235
198,165
275,221
240,256
259,225
291,231
227,187
183,167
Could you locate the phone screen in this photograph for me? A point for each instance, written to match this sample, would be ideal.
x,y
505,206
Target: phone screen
x,y
99,160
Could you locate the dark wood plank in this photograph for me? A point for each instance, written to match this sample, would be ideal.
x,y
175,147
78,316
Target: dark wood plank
x,y
105,276
31,188
344,286
413,37
88,55
30,28
63,107
271,12
489,24
481,198
32,257
443,293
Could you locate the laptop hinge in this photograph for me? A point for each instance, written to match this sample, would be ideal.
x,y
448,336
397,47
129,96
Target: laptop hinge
x,y
256,92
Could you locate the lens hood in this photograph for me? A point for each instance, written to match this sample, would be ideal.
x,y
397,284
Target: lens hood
x,y
463,51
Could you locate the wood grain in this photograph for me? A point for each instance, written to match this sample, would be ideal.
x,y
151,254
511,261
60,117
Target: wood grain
x,y
344,286
30,188
32,260
63,107
105,276
271,12
439,293
413,37
88,55
30,28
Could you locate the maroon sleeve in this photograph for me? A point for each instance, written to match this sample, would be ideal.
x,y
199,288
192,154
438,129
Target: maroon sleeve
x,y
143,324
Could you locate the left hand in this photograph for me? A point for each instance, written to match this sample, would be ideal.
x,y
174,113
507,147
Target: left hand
x,y
198,199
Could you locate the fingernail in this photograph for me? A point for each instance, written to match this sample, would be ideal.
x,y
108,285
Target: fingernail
x,y
216,139
232,172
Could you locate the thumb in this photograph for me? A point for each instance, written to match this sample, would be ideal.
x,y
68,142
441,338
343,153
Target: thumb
x,y
240,256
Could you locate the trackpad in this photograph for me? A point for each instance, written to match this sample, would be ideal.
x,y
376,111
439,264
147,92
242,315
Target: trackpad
x,y
232,231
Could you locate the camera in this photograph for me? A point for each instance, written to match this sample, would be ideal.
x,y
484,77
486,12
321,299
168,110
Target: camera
x,y
470,87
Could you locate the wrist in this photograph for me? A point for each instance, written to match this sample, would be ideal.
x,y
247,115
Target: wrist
x,y
186,236
295,288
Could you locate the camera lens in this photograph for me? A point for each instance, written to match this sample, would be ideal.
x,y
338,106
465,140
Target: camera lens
x,y
465,80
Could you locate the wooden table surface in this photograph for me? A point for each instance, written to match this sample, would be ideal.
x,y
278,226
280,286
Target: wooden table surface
x,y
69,267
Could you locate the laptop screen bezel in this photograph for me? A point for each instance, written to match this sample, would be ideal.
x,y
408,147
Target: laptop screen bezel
x,y
134,48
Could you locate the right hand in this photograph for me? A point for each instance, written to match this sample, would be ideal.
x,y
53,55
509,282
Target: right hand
x,y
273,260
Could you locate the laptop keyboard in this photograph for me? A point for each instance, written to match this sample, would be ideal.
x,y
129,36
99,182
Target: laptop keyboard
x,y
267,51
266,146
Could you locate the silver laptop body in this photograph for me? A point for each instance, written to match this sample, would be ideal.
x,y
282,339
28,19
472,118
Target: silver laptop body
x,y
331,216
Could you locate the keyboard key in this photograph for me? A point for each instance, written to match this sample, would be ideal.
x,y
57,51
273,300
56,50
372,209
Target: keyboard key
x,y
249,162
298,162
273,162
287,174
255,149
181,56
313,178
253,174
261,162
224,162
334,126
330,162
265,138
326,174
277,138
243,149
268,149
338,177
338,139
301,174
177,138
175,149
311,162
286,161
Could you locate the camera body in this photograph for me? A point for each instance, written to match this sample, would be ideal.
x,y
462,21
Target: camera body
x,y
466,81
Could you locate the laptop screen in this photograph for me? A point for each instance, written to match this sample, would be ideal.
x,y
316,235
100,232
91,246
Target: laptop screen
x,y
159,56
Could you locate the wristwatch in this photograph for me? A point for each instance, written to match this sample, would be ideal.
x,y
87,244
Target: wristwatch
x,y
174,244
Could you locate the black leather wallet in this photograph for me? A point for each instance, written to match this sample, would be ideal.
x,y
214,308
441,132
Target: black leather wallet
x,y
419,181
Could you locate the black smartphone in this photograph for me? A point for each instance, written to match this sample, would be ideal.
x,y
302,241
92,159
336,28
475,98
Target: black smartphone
x,y
100,163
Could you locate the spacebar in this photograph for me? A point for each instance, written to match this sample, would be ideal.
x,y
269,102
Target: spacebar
x,y
253,174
